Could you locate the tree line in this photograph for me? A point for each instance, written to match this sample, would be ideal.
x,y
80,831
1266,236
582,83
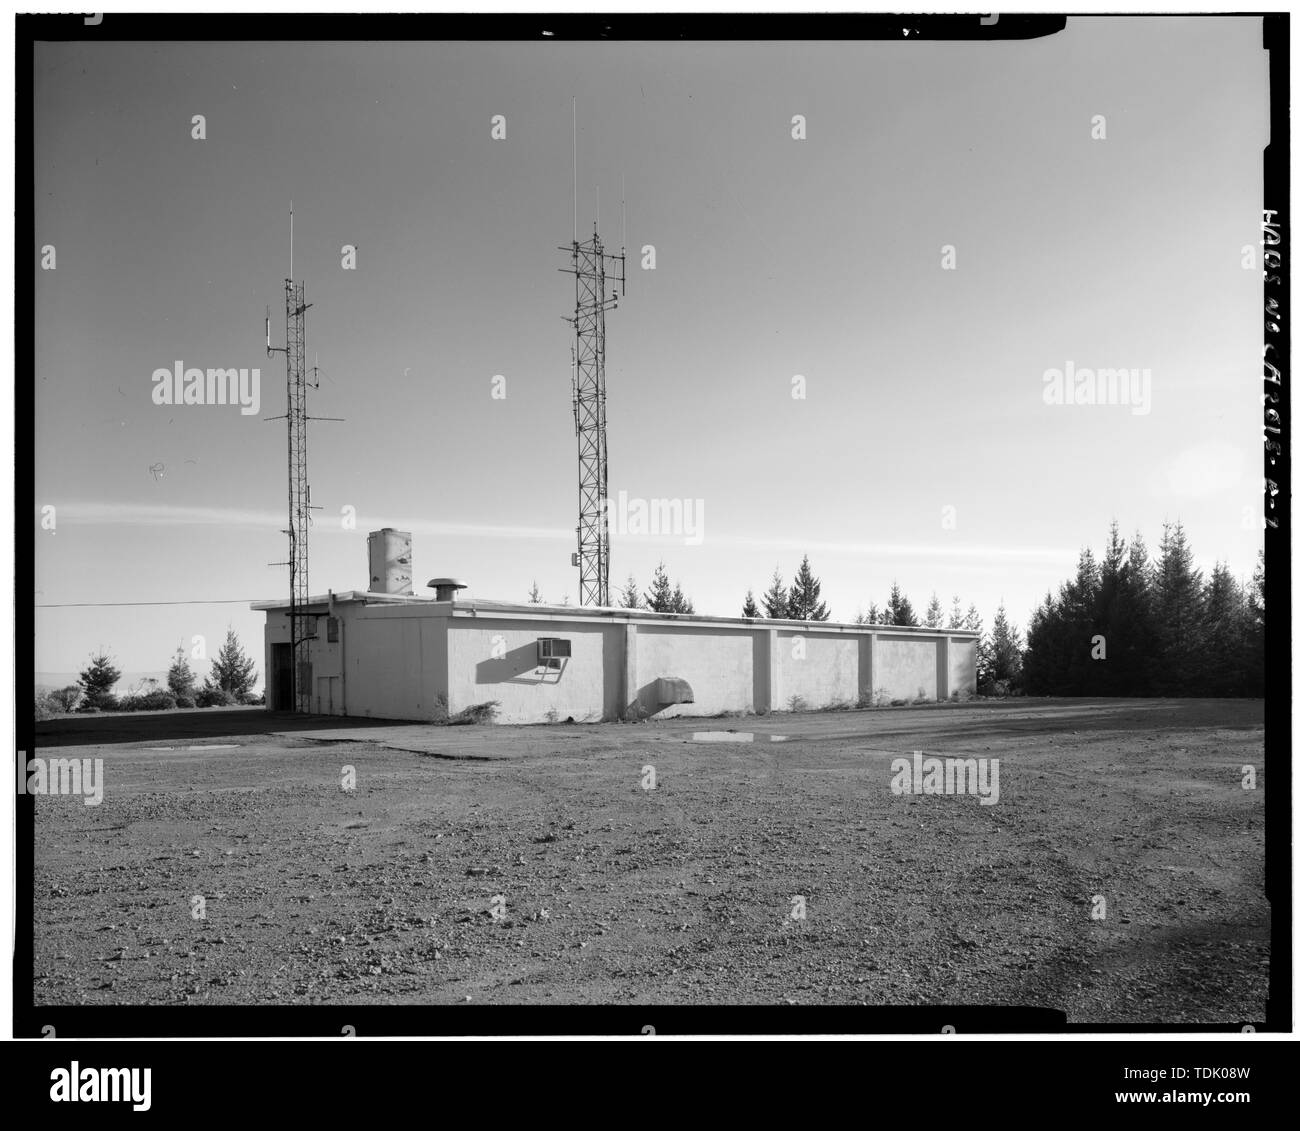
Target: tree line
x,y
1129,625
229,682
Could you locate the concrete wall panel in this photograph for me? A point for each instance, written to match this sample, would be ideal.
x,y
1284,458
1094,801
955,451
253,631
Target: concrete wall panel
x,y
497,659
905,667
961,666
821,670
719,666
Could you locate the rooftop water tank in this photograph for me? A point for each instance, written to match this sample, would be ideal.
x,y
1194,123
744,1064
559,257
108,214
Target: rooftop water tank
x,y
390,561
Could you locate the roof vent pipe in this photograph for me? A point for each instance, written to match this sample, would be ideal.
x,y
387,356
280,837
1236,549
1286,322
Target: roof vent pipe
x,y
444,588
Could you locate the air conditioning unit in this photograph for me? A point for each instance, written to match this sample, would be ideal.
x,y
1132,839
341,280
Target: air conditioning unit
x,y
552,648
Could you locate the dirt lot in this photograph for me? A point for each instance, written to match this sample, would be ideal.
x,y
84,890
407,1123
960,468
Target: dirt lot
x,y
529,864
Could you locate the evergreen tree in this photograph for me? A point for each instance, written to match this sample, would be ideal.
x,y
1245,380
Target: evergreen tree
x,y
954,616
659,597
1004,650
1133,625
1179,602
180,677
1254,629
1224,634
900,608
860,618
232,671
97,680
776,599
680,602
803,602
934,612
750,608
971,622
534,594
630,598
1108,619
874,614
1041,661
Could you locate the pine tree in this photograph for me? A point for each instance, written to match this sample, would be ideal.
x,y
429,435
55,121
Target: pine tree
x,y
776,600
750,608
180,677
954,617
861,617
1179,601
1132,641
97,680
1108,619
934,612
232,671
630,598
900,608
680,602
874,614
1224,634
971,622
534,594
1004,650
1254,620
1041,648
659,597
803,602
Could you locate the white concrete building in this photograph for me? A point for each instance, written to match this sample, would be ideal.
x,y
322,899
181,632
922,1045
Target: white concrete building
x,y
400,656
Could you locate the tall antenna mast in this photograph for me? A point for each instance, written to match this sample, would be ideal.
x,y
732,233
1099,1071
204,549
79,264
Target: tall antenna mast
x,y
296,693
588,265
575,168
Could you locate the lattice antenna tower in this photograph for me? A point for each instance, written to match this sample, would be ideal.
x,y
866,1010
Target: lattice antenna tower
x,y
599,278
302,627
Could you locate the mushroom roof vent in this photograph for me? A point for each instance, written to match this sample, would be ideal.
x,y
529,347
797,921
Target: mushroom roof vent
x,y
445,587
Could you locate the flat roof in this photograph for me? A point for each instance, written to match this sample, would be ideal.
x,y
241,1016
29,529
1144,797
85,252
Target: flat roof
x,y
473,606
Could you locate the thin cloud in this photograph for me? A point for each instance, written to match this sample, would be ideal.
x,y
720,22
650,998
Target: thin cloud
x,y
154,514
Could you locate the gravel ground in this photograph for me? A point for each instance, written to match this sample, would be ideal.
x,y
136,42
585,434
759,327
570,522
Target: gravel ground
x,y
529,864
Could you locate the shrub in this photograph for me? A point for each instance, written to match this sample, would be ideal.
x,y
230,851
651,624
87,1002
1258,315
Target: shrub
x,y
46,708
210,696
255,700
797,703
103,702
66,698
475,713
995,688
157,700
880,698
184,701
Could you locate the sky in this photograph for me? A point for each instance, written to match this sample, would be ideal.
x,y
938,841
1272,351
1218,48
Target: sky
x,y
948,231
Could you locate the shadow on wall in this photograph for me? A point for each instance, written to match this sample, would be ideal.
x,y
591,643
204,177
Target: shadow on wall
x,y
519,666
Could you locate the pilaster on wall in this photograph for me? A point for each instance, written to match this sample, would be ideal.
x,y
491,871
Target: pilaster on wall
x,y
765,657
941,678
866,667
630,685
